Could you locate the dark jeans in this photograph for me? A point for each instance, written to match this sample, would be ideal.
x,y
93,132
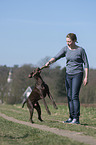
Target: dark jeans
x,y
73,85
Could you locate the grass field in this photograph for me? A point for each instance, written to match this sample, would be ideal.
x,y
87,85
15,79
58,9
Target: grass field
x,y
14,133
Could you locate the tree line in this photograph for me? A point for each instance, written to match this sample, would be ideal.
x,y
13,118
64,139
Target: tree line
x,y
12,92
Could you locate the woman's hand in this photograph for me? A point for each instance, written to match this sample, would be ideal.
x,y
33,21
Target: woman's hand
x,y
50,62
85,81
47,64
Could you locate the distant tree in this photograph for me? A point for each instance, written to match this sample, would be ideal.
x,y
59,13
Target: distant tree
x,y
21,81
60,84
88,93
3,81
55,78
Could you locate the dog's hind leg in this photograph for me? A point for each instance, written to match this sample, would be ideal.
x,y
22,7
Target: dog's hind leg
x,y
38,108
51,98
31,109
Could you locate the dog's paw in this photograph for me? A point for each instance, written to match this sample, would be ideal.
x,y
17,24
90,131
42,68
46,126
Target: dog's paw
x,y
49,112
31,121
55,107
40,119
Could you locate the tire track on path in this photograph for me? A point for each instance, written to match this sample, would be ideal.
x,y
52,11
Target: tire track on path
x,y
78,136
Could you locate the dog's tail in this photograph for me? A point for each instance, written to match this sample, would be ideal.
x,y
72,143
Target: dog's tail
x,y
23,103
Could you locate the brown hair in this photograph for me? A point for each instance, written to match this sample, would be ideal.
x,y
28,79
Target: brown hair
x,y
72,36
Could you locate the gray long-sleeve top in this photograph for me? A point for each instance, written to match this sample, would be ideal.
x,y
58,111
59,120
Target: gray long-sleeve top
x,y
74,59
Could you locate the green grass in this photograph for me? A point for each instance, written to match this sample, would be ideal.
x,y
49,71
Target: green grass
x,y
17,134
13,133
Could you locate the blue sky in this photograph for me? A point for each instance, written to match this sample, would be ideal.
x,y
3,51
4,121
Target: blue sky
x,y
30,30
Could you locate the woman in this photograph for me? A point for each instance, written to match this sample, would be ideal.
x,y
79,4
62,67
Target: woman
x,y
75,59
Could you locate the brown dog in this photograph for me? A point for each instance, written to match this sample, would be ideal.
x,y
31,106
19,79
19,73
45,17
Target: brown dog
x,y
39,92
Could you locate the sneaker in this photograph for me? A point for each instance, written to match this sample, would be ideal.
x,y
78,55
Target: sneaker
x,y
68,121
75,121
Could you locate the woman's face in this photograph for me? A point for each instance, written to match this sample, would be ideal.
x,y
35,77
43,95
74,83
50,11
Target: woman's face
x,y
70,43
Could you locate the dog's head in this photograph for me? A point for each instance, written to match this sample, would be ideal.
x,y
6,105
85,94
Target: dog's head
x,y
35,73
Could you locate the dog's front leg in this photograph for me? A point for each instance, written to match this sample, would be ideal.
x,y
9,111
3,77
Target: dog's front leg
x,y
45,104
54,104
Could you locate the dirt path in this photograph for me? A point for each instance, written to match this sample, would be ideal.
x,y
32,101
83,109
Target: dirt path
x,y
78,136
